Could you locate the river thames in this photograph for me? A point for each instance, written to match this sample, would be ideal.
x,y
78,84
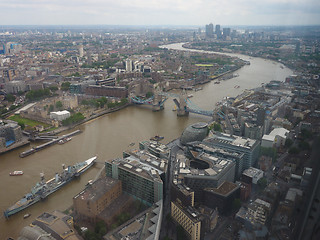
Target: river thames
x,y
109,135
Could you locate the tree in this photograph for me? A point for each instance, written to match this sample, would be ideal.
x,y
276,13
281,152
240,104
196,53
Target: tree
x,y
59,105
12,107
102,101
53,88
51,107
10,98
65,86
75,118
217,127
37,94
100,228
124,101
22,125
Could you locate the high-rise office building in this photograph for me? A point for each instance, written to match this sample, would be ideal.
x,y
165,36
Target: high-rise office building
x,y
218,31
129,65
139,178
209,30
80,50
188,218
226,33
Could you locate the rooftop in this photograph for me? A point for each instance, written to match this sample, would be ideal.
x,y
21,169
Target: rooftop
x,y
224,189
251,172
149,169
95,190
143,226
148,158
232,140
57,224
213,149
217,167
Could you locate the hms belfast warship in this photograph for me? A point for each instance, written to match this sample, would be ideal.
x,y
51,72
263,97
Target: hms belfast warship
x,y
44,188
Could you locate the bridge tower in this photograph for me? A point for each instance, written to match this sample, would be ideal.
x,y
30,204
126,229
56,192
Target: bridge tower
x,y
157,102
182,108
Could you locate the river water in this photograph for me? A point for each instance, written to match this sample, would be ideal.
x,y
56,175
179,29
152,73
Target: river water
x,y
108,136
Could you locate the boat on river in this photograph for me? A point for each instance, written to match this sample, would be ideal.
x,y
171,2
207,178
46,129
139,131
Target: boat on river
x,y
43,189
157,138
64,140
16,173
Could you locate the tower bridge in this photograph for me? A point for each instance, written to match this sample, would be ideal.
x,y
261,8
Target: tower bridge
x,y
183,103
156,101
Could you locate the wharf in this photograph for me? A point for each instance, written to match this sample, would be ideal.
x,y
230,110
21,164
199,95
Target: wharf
x,y
47,144
15,146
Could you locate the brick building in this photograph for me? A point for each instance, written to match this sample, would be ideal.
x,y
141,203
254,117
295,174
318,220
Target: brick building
x,y
89,203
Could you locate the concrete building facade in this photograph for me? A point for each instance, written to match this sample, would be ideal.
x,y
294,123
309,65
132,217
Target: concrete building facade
x,y
249,147
188,219
138,179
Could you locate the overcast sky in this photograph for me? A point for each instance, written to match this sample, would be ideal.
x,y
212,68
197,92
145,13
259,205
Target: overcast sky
x,y
159,12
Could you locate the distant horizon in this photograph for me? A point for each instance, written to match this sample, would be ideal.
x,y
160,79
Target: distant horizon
x,y
154,25
160,12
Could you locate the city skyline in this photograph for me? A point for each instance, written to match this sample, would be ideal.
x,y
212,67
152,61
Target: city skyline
x,y
161,12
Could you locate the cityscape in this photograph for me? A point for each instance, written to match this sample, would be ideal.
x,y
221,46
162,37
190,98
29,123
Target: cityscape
x,y
159,132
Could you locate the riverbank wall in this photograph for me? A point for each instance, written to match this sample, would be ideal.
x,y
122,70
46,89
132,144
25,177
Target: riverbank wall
x,y
92,117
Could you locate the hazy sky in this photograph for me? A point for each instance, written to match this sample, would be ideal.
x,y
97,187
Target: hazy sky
x,y
160,12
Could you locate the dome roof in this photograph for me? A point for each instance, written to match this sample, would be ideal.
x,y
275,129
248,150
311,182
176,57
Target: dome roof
x,y
194,132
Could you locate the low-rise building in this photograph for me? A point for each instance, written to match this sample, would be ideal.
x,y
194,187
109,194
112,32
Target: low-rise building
x,y
221,197
108,91
276,138
90,202
53,226
10,132
144,226
60,115
252,175
257,212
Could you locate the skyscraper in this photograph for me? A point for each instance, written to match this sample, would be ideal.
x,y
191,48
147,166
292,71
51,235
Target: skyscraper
x,y
80,50
218,31
226,32
209,30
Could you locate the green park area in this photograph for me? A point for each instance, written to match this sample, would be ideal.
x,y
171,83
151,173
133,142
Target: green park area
x,y
27,122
